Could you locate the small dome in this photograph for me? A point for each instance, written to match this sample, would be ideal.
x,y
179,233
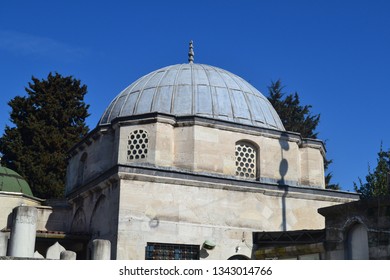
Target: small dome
x,y
195,90
10,181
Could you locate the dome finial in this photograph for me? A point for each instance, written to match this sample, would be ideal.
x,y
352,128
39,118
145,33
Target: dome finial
x,y
191,53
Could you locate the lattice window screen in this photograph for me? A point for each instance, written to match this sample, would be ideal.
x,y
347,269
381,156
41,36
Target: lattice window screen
x,y
137,145
246,158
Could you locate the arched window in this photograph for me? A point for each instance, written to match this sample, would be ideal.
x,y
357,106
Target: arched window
x,y
246,160
137,145
239,257
81,169
79,222
101,221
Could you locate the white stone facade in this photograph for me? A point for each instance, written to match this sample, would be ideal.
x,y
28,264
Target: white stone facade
x,y
188,155
202,147
185,189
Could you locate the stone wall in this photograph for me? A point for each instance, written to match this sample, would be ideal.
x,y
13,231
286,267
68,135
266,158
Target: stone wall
x,y
96,154
95,211
198,145
372,216
201,146
183,186
8,201
182,211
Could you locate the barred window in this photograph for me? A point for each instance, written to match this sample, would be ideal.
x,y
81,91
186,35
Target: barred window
x,y
137,145
246,160
164,251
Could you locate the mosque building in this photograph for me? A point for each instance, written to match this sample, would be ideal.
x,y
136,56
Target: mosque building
x,y
187,162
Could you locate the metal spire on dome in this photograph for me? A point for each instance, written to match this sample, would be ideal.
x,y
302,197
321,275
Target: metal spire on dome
x,y
191,53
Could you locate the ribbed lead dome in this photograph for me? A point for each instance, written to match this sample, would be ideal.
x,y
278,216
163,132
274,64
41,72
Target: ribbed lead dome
x,y
194,90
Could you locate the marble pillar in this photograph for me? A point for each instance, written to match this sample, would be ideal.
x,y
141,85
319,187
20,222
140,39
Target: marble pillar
x,y
3,244
101,249
23,232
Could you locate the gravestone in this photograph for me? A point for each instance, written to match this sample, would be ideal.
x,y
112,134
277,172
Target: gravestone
x,y
37,255
54,251
68,255
101,249
3,244
23,232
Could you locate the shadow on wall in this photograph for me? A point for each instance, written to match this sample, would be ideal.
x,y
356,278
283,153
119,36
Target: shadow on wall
x,y
9,220
79,222
60,216
283,169
283,166
57,230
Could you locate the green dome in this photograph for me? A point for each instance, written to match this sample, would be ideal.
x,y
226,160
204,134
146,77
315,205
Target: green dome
x,y
10,181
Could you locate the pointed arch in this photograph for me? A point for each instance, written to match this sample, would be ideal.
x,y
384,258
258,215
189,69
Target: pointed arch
x,y
79,222
100,222
81,168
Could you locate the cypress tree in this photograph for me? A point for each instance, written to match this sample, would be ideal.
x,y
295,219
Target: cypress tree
x,y
48,121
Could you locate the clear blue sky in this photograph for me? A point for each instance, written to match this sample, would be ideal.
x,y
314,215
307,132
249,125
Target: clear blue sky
x,y
335,54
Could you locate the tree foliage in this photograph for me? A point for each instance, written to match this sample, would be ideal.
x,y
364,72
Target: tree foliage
x,y
377,180
298,118
294,116
47,123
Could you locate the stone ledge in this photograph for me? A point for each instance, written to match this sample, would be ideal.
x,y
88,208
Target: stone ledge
x,y
19,258
289,251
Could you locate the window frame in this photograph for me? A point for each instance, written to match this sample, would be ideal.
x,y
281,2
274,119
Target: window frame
x,y
137,151
171,251
255,170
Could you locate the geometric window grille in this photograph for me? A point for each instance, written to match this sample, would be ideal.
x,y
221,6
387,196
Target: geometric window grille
x,y
137,145
164,251
246,157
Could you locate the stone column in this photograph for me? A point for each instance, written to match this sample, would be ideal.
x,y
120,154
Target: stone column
x,y
101,249
67,255
3,244
23,232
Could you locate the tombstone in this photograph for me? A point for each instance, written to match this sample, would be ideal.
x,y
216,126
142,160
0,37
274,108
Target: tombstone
x,y
37,255
101,249
54,251
68,255
3,244
23,232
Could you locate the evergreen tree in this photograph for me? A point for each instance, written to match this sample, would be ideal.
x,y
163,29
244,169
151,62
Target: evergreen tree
x,y
377,181
298,118
47,123
294,116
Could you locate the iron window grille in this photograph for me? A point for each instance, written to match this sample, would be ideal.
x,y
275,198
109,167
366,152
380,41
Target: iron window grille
x,y
165,251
